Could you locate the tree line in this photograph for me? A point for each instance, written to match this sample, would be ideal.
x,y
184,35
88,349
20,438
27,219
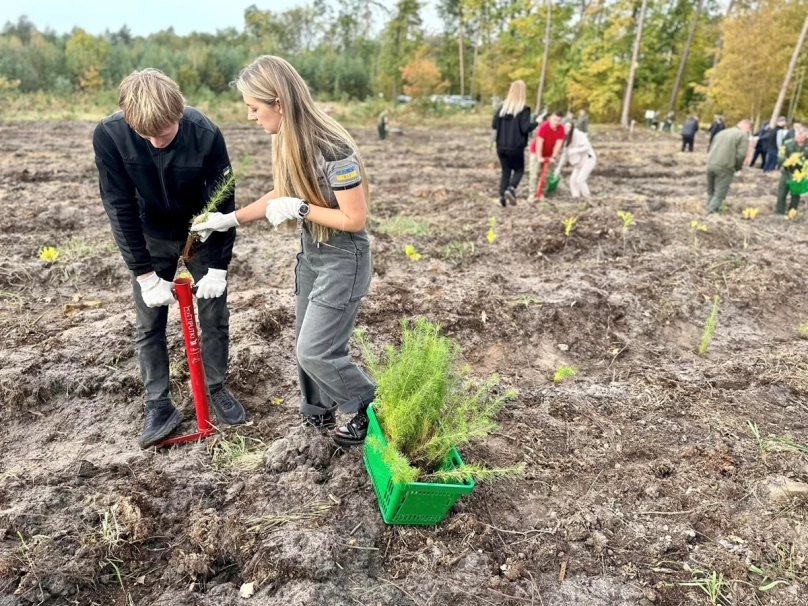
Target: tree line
x,y
680,55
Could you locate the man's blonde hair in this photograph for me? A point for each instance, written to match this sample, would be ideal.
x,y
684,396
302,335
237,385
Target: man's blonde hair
x,y
151,101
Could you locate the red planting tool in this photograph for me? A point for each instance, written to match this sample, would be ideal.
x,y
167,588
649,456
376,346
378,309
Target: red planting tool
x,y
193,350
544,165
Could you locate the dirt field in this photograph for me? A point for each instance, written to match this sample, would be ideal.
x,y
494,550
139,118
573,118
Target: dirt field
x,y
641,469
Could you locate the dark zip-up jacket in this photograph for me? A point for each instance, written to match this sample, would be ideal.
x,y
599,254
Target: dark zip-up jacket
x,y
690,127
512,131
157,191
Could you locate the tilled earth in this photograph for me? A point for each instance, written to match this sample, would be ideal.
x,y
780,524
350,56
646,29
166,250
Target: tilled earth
x,y
642,471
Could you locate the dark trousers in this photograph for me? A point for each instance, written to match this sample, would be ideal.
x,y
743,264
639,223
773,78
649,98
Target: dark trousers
x,y
687,141
214,323
771,161
759,153
513,167
782,194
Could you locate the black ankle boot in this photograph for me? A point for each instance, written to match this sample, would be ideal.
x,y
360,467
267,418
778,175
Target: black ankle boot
x,y
354,433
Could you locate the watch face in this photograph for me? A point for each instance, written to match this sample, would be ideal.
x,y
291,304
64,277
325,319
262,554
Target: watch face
x,y
304,209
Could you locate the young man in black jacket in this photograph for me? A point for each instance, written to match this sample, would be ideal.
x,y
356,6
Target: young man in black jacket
x,y
158,162
689,130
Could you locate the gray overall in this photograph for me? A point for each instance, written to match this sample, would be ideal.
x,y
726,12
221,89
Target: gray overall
x,y
330,280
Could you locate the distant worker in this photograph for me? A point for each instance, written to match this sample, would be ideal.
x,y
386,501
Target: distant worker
x,y
667,125
381,124
796,125
546,147
760,145
513,126
725,159
689,130
716,127
792,156
583,121
158,163
582,158
771,137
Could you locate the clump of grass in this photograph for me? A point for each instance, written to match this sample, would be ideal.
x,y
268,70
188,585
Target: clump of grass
x,y
458,252
426,406
234,453
803,331
402,226
563,372
773,443
713,584
709,327
219,194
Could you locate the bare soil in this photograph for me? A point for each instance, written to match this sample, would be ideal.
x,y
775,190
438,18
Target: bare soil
x,y
640,469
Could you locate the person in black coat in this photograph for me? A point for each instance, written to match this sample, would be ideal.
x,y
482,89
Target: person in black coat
x,y
716,127
689,130
513,125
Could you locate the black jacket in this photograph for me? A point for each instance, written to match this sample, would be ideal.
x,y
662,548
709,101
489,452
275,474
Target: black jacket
x,y
690,127
512,131
770,139
157,191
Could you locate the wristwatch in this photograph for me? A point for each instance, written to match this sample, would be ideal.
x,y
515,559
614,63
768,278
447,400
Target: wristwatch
x,y
303,210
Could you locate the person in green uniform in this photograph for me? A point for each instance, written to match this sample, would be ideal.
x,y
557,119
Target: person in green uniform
x,y
381,124
792,155
583,121
726,157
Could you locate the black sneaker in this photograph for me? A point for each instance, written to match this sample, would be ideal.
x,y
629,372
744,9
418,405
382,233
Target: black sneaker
x,y
226,408
502,202
510,196
324,421
354,433
161,419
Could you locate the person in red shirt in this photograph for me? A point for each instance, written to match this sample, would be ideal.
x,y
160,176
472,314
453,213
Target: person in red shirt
x,y
546,147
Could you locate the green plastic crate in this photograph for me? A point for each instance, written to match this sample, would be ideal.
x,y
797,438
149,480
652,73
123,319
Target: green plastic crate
x,y
798,188
412,503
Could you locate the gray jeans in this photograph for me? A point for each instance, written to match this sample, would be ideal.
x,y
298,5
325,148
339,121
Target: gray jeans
x,y
330,280
213,318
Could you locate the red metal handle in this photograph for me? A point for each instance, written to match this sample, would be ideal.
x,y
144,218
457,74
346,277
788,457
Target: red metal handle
x,y
193,350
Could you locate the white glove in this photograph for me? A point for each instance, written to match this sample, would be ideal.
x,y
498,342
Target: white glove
x,y
215,222
283,209
212,285
156,291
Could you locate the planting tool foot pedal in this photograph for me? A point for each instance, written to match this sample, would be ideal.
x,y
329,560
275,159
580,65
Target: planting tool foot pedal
x,y
193,350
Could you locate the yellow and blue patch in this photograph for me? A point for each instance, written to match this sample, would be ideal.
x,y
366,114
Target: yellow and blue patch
x,y
346,174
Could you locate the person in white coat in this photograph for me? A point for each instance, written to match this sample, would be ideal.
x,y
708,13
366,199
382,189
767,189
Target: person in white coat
x,y
581,157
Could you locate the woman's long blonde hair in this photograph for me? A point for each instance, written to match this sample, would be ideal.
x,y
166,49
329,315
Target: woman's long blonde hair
x,y
305,131
515,101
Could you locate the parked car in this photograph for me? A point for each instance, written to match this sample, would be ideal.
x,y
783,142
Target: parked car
x,y
403,98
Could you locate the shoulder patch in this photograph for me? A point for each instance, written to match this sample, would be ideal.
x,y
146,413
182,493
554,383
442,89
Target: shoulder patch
x,y
346,174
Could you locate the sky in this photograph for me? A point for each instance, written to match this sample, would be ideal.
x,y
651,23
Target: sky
x,y
145,16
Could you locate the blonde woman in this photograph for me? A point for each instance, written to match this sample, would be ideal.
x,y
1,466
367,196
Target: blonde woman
x,y
320,181
513,125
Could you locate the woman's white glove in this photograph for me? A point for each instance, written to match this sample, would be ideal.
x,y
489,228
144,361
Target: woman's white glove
x,y
212,285
214,222
155,291
283,209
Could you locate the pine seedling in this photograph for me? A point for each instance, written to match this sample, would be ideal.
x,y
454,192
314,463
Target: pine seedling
x,y
803,331
696,227
569,223
709,327
628,219
491,236
220,193
410,251
750,213
563,372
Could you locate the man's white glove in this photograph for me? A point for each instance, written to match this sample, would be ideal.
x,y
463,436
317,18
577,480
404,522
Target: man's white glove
x,y
156,291
212,285
283,209
214,222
